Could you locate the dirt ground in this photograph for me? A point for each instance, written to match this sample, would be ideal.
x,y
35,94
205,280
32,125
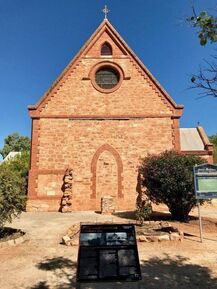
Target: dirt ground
x,y
43,263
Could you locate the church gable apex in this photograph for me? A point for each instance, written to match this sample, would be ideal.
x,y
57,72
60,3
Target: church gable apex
x,y
104,44
105,37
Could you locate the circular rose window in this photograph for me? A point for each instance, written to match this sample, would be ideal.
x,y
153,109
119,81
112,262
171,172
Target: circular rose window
x,y
107,77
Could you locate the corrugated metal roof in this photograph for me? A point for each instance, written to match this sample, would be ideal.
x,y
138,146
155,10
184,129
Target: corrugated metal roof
x,y
190,140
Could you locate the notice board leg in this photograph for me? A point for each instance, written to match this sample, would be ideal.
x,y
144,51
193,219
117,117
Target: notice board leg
x,y
200,222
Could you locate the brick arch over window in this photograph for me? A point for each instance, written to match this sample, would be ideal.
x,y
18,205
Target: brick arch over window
x,y
100,150
106,49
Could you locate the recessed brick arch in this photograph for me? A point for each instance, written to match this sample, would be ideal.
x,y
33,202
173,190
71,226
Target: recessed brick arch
x,y
100,150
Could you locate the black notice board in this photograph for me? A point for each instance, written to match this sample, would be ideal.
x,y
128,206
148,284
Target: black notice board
x,y
108,252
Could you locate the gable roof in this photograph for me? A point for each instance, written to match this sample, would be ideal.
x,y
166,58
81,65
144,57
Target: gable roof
x,y
105,26
191,140
194,140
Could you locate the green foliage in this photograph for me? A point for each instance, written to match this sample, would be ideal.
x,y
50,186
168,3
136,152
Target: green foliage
x,y
14,177
205,80
143,212
207,27
213,140
12,198
15,142
20,166
13,186
168,179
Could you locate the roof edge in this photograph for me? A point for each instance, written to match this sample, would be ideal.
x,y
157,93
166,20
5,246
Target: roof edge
x,y
72,61
207,144
130,51
105,23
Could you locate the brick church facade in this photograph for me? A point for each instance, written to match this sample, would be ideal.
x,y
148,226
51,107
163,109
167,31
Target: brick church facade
x,y
102,115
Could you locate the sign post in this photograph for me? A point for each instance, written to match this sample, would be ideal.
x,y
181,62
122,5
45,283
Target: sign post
x,y
200,221
205,182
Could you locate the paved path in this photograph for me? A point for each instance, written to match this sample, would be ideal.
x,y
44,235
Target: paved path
x,y
52,226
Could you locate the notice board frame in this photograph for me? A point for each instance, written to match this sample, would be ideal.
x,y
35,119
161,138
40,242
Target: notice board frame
x,y
205,172
206,190
114,250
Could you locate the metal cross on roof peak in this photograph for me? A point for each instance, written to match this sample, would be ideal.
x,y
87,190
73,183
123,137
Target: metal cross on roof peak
x,y
105,10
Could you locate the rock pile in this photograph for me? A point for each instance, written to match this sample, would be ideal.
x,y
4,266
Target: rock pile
x,y
66,202
152,231
72,236
158,232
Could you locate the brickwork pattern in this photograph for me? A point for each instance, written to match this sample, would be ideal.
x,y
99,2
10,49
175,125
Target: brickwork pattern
x,y
66,143
101,136
136,96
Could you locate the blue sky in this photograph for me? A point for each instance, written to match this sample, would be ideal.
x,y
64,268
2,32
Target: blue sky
x,y
38,38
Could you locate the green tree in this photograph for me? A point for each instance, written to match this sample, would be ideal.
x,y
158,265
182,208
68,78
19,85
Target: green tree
x,y
206,26
14,177
15,142
168,179
206,78
213,140
12,196
20,166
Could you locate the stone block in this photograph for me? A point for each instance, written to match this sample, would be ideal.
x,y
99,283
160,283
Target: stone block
x,y
176,236
163,238
142,239
107,205
66,240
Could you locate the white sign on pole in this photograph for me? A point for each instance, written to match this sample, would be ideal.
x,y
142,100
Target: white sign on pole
x,y
205,181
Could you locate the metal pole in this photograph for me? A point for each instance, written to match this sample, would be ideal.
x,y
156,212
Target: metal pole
x,y
200,221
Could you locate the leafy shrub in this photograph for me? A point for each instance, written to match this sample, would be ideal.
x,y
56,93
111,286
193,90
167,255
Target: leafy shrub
x,y
20,165
143,212
13,187
168,179
213,140
15,142
12,199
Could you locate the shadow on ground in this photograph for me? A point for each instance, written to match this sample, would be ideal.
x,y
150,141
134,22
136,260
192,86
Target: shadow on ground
x,y
155,216
164,273
61,274
176,273
126,215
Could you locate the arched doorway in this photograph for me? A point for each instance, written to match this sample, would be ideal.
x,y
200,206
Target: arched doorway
x,y
106,169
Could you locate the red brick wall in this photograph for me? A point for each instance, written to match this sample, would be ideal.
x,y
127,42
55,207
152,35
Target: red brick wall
x,y
136,96
101,136
74,143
